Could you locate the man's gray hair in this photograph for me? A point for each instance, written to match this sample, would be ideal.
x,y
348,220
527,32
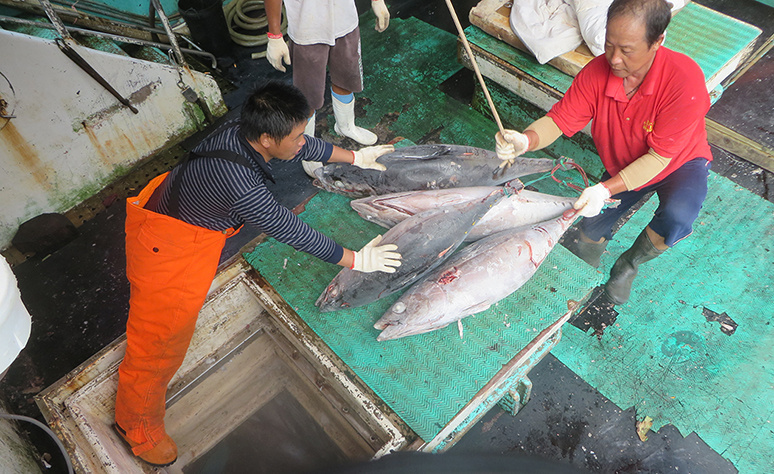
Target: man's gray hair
x,y
654,13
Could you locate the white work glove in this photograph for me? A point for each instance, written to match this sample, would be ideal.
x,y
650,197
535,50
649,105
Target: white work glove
x,y
511,145
276,52
377,259
382,15
592,200
366,157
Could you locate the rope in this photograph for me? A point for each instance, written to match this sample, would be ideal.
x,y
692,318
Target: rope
x,y
562,163
237,16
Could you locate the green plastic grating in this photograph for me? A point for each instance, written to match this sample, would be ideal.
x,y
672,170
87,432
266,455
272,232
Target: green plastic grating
x,y
664,357
425,379
710,38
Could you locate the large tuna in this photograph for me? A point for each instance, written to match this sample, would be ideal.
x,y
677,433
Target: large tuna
x,y
424,241
472,280
426,167
518,210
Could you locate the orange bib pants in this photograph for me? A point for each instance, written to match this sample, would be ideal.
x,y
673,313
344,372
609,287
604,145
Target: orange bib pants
x,y
170,266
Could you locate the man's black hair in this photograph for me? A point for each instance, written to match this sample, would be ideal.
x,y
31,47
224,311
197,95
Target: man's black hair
x,y
654,13
274,108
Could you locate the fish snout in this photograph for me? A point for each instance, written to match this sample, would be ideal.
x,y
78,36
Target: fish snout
x,y
393,316
391,332
328,300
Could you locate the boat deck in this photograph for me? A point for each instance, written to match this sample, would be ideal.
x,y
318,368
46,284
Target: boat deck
x,y
665,356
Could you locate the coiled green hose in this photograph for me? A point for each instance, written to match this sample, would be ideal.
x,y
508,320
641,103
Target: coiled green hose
x,y
237,15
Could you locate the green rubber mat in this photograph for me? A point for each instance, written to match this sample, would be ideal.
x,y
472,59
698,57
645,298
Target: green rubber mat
x,y
710,38
665,358
425,379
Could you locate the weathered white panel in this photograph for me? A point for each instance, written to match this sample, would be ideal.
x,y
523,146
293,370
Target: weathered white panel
x,y
70,137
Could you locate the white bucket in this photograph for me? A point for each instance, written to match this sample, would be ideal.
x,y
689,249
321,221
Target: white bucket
x,y
15,321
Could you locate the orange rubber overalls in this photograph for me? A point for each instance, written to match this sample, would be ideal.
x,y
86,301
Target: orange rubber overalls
x,y
170,265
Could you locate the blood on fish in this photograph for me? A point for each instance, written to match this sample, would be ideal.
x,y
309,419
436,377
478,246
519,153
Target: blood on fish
x,y
449,276
531,253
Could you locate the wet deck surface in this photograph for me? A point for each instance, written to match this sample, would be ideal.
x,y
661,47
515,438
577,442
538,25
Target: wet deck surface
x,y
78,296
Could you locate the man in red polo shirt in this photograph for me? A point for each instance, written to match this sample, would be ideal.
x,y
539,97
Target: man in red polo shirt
x,y
646,104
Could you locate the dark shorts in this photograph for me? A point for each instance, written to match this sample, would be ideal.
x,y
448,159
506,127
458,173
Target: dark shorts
x,y
342,60
680,195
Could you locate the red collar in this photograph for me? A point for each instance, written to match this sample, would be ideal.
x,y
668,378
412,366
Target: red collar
x,y
614,87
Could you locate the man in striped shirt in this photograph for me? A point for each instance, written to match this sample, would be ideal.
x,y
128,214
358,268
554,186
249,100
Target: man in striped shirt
x,y
176,229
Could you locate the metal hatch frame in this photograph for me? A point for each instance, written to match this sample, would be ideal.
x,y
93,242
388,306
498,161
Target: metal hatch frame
x,y
79,406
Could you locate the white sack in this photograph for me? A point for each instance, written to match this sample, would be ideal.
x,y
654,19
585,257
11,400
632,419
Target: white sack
x,y
548,28
592,18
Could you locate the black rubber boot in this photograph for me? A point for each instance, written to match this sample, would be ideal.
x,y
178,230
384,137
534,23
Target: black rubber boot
x,y
619,286
590,252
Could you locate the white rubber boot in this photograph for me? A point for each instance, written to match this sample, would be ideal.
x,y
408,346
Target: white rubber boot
x,y
309,129
310,166
345,123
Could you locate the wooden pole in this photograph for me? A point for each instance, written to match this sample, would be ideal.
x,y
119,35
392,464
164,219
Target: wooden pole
x,y
475,66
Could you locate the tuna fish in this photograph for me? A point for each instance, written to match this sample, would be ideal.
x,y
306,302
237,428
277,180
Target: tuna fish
x,y
424,241
469,282
426,167
524,208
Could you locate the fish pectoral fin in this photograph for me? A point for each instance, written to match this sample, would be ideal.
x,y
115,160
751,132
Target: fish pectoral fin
x,y
477,308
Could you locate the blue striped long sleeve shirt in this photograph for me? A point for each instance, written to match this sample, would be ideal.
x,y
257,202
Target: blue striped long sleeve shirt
x,y
218,194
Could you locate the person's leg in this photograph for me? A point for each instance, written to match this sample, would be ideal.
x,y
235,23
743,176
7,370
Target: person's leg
x,y
170,272
346,72
594,233
310,63
681,195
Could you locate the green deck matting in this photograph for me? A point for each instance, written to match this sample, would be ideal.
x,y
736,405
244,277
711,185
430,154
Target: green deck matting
x,y
664,357
708,37
425,379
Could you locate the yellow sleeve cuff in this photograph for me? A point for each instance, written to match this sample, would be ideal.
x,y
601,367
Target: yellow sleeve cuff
x,y
547,131
643,169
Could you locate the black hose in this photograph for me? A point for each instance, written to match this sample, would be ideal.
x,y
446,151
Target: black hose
x,y
47,430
